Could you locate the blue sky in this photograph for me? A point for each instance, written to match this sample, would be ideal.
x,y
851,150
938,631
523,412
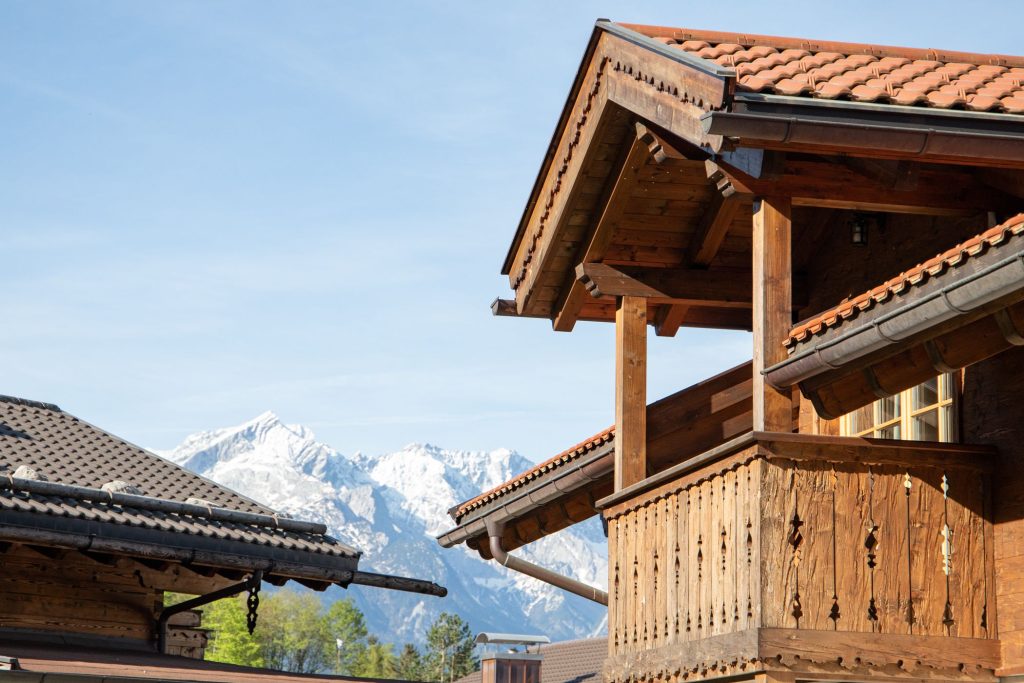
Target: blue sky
x,y
208,210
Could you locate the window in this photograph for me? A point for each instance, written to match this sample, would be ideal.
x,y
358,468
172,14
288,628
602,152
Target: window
x,y
923,413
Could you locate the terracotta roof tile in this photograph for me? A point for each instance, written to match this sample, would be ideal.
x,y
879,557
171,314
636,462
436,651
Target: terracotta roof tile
x,y
992,238
520,480
798,67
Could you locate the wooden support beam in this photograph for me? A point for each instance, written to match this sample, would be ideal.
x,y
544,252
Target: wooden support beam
x,y
645,146
630,391
706,242
773,315
504,308
823,183
715,222
718,288
896,175
669,319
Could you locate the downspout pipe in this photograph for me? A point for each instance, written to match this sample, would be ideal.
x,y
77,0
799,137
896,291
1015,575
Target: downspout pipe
x,y
495,530
167,612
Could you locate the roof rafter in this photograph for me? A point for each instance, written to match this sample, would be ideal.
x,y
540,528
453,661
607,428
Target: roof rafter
x,y
646,146
717,288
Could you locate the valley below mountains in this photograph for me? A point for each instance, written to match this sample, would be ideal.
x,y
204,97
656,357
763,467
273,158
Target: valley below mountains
x,y
391,507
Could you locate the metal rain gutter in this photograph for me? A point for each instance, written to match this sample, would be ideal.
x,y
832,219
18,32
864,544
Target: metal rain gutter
x,y
586,470
960,297
939,138
494,532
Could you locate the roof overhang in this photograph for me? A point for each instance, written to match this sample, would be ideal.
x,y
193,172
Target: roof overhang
x,y
563,492
625,180
879,130
208,540
961,307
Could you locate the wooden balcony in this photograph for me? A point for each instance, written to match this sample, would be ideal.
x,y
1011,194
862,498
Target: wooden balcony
x,y
789,556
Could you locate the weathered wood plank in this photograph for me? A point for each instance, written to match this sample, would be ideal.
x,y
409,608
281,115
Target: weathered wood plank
x,y
630,392
772,306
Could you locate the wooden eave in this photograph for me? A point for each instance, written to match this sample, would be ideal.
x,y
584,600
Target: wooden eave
x,y
635,177
685,423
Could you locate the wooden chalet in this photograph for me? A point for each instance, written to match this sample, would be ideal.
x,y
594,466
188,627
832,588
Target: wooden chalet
x,y
846,505
94,530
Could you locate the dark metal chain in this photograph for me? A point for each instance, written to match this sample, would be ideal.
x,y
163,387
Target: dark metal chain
x,y
253,602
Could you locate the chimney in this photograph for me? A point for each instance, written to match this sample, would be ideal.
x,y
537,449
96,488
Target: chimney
x,y
507,657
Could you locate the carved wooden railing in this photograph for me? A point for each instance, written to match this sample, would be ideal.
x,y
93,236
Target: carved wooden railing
x,y
794,552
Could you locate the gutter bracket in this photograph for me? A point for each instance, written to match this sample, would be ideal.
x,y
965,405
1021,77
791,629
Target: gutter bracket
x,y
252,584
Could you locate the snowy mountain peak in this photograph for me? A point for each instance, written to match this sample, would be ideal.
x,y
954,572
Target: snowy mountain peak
x,y
391,506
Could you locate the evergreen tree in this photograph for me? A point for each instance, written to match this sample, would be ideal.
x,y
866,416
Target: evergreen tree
x,y
377,661
449,649
346,630
410,664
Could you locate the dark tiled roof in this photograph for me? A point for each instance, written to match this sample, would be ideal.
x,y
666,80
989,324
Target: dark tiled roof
x,y
77,459
567,456
570,661
859,72
993,238
68,450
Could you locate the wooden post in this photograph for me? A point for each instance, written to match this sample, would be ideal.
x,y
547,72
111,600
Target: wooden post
x,y
772,307
630,391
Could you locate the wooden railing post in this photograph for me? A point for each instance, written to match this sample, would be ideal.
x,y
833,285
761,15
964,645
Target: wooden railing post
x,y
630,391
772,308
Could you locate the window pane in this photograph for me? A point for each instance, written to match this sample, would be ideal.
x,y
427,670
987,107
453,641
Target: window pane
x,y
890,432
948,426
925,394
926,426
888,408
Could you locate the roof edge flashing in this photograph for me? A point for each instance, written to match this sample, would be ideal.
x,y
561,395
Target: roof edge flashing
x,y
675,54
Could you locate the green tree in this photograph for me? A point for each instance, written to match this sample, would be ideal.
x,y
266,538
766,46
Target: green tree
x,y
377,661
346,631
230,641
292,633
449,649
410,664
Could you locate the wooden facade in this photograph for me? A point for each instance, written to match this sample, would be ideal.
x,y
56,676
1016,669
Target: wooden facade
x,y
797,549
696,179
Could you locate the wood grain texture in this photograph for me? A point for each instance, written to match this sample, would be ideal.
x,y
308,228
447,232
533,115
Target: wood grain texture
x,y
772,306
630,392
72,594
780,546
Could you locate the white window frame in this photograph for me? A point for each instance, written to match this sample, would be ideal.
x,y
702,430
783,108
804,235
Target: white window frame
x,y
946,406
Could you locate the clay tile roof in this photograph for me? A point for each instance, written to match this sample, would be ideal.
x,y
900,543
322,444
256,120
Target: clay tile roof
x,y
993,238
939,79
565,457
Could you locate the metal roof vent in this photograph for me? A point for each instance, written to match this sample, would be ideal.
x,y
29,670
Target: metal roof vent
x,y
118,486
26,472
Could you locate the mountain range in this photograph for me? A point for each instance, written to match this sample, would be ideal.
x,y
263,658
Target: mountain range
x,y
391,507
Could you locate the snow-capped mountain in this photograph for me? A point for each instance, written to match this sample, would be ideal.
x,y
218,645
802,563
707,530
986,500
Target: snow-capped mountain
x,y
391,507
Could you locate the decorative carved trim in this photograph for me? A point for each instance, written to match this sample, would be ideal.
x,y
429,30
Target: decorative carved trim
x,y
878,656
585,117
